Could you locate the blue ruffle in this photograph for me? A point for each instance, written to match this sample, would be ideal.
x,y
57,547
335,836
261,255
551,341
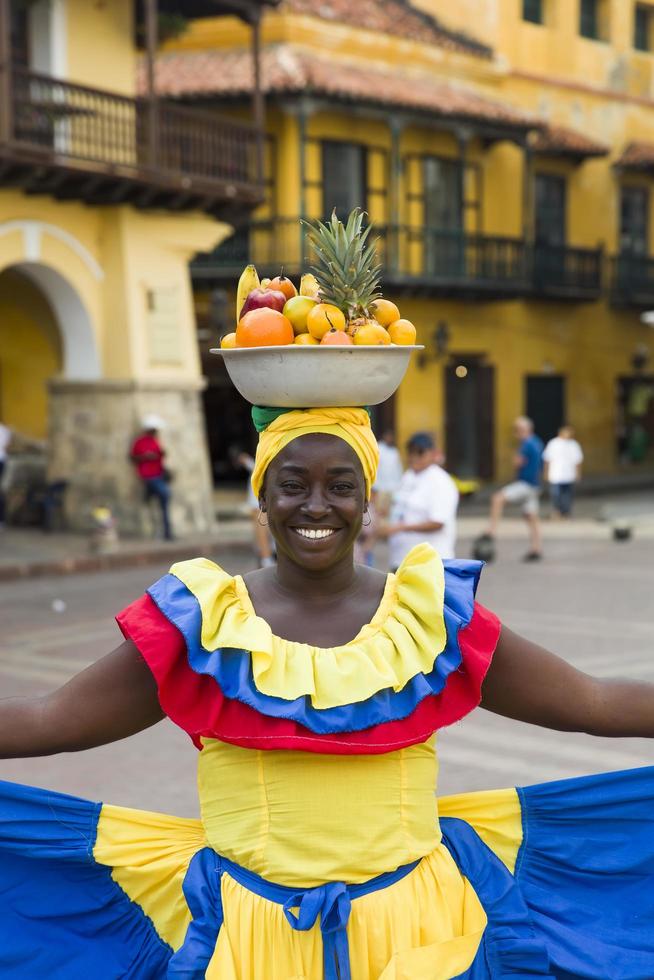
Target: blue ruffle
x,y
232,668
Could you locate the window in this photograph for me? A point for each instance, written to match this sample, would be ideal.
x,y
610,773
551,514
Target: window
x,y
532,10
642,27
634,208
344,178
550,209
589,25
443,196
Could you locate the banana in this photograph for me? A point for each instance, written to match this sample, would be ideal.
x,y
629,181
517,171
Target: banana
x,y
309,286
249,280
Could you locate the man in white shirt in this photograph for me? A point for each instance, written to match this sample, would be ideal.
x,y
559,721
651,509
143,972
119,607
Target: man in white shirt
x,y
563,458
425,505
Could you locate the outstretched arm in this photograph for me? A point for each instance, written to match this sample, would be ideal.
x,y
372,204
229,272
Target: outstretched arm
x,y
113,698
528,683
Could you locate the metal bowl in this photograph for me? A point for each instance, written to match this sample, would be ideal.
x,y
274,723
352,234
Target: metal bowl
x,y
295,376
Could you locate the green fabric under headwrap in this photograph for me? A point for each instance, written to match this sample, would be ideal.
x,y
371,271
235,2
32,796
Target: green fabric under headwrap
x,y
263,416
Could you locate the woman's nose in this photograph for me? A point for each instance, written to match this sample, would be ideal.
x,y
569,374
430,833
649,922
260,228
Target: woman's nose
x,y
316,505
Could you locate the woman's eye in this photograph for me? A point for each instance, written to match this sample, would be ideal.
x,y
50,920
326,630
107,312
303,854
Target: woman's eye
x,y
343,488
292,485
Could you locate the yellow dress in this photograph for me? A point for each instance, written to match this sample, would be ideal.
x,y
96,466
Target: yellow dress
x,y
323,851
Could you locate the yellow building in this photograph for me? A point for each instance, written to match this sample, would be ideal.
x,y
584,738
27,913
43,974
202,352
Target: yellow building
x,y
104,199
505,152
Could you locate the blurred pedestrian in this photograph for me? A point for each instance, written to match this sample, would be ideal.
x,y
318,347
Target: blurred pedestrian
x,y
5,439
424,506
563,457
148,455
525,489
263,545
389,473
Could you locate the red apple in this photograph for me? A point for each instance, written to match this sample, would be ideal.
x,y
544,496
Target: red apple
x,y
273,298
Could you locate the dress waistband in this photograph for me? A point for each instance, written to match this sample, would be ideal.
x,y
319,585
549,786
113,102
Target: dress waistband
x,y
330,904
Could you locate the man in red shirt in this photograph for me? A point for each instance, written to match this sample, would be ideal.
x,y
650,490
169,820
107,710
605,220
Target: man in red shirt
x,y
147,454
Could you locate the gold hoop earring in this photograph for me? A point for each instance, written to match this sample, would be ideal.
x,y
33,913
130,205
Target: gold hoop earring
x,y
259,521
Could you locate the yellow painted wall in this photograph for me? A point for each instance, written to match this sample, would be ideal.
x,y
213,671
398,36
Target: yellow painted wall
x,y
590,345
100,45
30,353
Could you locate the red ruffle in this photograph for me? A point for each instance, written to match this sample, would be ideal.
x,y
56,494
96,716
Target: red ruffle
x,y
196,703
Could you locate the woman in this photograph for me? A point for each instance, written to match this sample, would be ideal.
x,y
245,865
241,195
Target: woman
x,y
314,689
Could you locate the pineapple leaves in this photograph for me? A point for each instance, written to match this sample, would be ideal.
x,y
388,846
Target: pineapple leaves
x,y
346,262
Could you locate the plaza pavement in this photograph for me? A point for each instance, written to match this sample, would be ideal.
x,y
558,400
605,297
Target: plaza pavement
x,y
590,601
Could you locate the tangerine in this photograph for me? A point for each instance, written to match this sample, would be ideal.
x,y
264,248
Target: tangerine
x,y
306,340
336,337
372,335
402,332
324,317
264,328
228,341
285,286
384,312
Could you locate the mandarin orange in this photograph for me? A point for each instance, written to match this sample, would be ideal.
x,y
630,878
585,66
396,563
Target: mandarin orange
x,y
264,328
324,317
384,311
402,332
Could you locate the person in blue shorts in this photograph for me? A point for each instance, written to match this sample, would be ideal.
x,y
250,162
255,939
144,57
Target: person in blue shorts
x,y
525,489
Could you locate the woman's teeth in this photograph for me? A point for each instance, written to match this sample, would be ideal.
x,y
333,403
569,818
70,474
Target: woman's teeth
x,y
311,532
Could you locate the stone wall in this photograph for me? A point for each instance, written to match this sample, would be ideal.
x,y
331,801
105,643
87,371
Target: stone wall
x,y
92,426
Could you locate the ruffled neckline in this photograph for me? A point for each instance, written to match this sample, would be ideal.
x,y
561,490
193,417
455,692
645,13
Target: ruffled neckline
x,y
403,638
383,610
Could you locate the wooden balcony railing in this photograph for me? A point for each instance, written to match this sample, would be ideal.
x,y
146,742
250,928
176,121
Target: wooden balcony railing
x,y
147,153
632,280
561,272
420,259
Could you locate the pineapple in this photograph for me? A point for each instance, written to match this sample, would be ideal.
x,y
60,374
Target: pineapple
x,y
347,270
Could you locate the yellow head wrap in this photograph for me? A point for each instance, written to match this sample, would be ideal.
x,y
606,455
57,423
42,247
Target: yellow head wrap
x,y
350,424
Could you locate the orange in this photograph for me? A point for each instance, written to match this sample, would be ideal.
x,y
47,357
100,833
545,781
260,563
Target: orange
x,y
228,341
372,334
306,340
402,332
264,328
336,337
285,286
324,317
384,311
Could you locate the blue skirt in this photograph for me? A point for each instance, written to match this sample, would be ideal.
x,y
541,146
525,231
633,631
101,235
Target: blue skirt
x,y
575,901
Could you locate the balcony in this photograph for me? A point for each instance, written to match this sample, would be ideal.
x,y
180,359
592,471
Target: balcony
x,y
419,260
563,273
632,280
80,143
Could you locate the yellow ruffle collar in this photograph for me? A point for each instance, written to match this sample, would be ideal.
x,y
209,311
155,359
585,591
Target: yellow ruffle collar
x,y
402,640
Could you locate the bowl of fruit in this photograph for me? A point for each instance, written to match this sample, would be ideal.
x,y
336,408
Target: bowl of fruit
x,y
335,341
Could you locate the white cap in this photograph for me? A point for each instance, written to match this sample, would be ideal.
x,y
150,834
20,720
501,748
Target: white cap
x,y
153,422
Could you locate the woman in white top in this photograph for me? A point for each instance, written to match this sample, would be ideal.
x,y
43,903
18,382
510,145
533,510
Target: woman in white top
x,y
563,458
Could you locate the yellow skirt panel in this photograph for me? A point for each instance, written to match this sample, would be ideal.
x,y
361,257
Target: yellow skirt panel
x,y
427,926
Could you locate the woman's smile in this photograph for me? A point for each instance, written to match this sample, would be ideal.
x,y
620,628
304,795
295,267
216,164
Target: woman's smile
x,y
315,533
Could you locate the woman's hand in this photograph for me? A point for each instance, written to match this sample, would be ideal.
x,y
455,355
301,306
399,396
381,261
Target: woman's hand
x,y
528,683
113,698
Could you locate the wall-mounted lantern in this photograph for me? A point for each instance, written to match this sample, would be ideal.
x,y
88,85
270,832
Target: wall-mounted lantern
x,y
436,344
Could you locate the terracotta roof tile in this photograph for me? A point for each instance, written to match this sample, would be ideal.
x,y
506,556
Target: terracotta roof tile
x,y
290,70
397,17
560,140
637,156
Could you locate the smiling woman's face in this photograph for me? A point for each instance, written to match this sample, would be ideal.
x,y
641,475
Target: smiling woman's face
x,y
315,495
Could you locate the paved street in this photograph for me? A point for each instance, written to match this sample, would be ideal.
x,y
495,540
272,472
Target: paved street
x,y
590,601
